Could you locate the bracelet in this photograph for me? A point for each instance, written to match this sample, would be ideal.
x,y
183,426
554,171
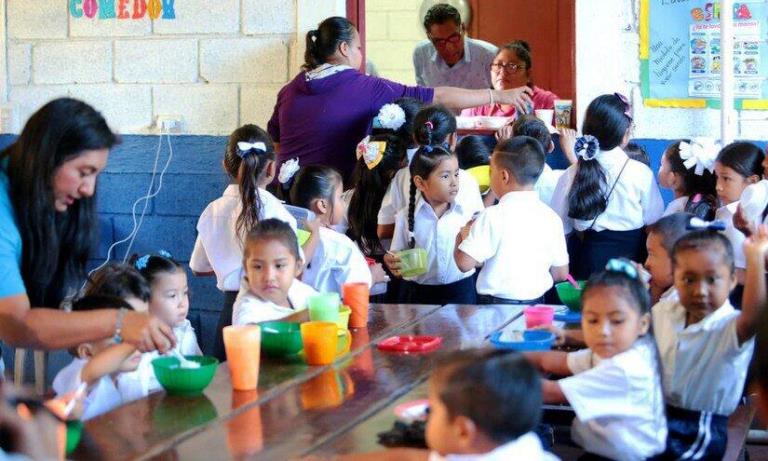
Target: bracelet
x,y
118,337
490,95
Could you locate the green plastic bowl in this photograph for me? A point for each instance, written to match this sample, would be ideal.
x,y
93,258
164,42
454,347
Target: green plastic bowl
x,y
280,339
569,295
185,381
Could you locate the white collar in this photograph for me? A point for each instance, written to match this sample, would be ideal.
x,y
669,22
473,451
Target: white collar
x,y
707,322
518,196
232,190
527,446
325,70
616,154
421,203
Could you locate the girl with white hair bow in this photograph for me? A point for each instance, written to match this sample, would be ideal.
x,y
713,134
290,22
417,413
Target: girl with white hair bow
x,y
687,168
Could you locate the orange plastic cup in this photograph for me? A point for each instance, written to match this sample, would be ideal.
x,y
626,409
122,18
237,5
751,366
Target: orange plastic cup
x,y
243,346
321,342
356,296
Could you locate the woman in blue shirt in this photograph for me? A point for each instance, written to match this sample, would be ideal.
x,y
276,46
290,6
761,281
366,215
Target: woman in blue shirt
x,y
47,230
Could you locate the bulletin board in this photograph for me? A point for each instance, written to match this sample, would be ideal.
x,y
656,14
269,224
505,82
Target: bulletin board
x,y
680,53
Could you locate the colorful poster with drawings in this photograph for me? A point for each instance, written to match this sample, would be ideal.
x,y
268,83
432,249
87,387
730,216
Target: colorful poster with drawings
x,y
680,53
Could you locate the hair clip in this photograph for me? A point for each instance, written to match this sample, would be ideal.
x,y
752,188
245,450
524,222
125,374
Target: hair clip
x,y
164,254
699,224
628,106
391,117
287,170
245,148
142,262
427,148
623,266
587,147
371,151
429,125
700,154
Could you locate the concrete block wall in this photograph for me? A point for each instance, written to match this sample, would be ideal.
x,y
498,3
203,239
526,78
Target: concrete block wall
x,y
392,30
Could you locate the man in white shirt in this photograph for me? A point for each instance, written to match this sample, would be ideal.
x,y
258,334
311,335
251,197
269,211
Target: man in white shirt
x,y
448,57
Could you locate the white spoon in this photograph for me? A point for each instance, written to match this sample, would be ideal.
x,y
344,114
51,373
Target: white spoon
x,y
183,361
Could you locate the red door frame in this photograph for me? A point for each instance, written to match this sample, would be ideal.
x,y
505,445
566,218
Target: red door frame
x,y
356,14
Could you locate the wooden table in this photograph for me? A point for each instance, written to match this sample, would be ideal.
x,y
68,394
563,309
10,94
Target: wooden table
x,y
296,408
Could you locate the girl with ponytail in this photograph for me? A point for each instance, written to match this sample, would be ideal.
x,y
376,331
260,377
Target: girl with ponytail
x,y
606,199
434,216
249,161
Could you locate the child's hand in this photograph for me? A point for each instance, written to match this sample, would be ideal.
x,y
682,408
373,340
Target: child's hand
x,y
744,225
378,274
560,339
504,132
393,263
464,232
568,143
756,245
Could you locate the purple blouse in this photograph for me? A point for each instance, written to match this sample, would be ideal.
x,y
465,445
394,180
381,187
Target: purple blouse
x,y
321,121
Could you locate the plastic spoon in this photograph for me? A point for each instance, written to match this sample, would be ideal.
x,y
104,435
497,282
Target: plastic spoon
x,y
573,281
79,393
183,361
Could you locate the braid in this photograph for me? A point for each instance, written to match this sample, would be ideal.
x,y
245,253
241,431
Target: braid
x,y
411,210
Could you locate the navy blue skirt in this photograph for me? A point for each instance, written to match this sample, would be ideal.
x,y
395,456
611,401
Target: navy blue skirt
x,y
461,292
225,320
589,251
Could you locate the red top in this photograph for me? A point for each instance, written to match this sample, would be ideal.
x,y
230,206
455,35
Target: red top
x,y
542,99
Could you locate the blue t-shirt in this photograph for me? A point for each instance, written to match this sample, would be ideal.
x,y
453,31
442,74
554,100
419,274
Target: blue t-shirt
x,y
11,283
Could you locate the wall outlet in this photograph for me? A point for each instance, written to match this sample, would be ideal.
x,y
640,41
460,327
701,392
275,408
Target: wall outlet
x,y
169,123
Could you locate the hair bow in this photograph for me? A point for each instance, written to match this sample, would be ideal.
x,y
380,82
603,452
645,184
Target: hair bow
x,y
699,224
164,254
700,154
287,170
427,148
371,151
142,262
623,266
390,117
586,147
245,148
627,105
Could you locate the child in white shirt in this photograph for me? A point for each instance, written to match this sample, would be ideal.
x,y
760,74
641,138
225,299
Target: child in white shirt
x,y
270,289
662,236
520,240
100,365
433,218
688,169
705,344
336,260
614,386
249,161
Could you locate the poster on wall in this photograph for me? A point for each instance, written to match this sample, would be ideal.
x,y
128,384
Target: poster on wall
x,y
680,53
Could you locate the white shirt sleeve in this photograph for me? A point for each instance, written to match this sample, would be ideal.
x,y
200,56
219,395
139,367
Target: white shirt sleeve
x,y
579,361
483,240
472,201
653,204
247,309
559,246
353,267
599,392
560,198
391,203
199,261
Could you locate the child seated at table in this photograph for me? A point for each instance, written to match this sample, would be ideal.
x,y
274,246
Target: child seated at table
x,y
483,405
613,386
120,281
705,344
520,240
169,298
100,364
270,289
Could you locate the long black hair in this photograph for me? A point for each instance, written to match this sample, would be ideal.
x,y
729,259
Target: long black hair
x,y
370,186
55,246
323,41
607,120
247,168
432,125
424,162
699,188
473,151
314,182
152,265
742,157
410,106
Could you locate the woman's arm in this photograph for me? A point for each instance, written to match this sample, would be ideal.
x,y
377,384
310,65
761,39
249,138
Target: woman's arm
x,y
42,328
460,98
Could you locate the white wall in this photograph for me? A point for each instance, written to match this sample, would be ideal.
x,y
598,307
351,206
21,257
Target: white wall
x,y
392,31
607,60
219,64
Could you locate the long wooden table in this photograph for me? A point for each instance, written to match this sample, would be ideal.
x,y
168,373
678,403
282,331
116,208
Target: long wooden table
x,y
296,407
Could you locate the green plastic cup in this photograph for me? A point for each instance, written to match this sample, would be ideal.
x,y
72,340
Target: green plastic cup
x,y
413,262
324,307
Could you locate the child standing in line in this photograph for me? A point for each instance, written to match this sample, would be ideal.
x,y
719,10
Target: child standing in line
x,y
522,258
434,216
606,199
614,386
688,169
271,289
528,125
249,161
704,343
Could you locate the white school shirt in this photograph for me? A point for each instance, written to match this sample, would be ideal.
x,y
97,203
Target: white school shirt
x,y
103,395
519,240
547,183
435,235
618,402
634,203
337,260
218,247
704,365
250,308
725,214
676,206
754,200
398,195
526,447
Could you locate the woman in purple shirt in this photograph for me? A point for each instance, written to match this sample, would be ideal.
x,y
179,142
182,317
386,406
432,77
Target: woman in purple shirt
x,y
323,113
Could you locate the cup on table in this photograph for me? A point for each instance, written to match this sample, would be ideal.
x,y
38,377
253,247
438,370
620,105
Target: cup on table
x,y
243,347
545,115
357,297
324,307
321,342
538,316
563,108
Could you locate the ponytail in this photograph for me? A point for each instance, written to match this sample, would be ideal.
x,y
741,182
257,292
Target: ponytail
x,y
249,150
432,125
323,41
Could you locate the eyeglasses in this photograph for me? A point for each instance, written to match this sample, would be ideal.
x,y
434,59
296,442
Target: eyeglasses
x,y
509,67
453,39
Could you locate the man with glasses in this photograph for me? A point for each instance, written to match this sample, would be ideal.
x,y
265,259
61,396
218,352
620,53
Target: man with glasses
x,y
449,57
